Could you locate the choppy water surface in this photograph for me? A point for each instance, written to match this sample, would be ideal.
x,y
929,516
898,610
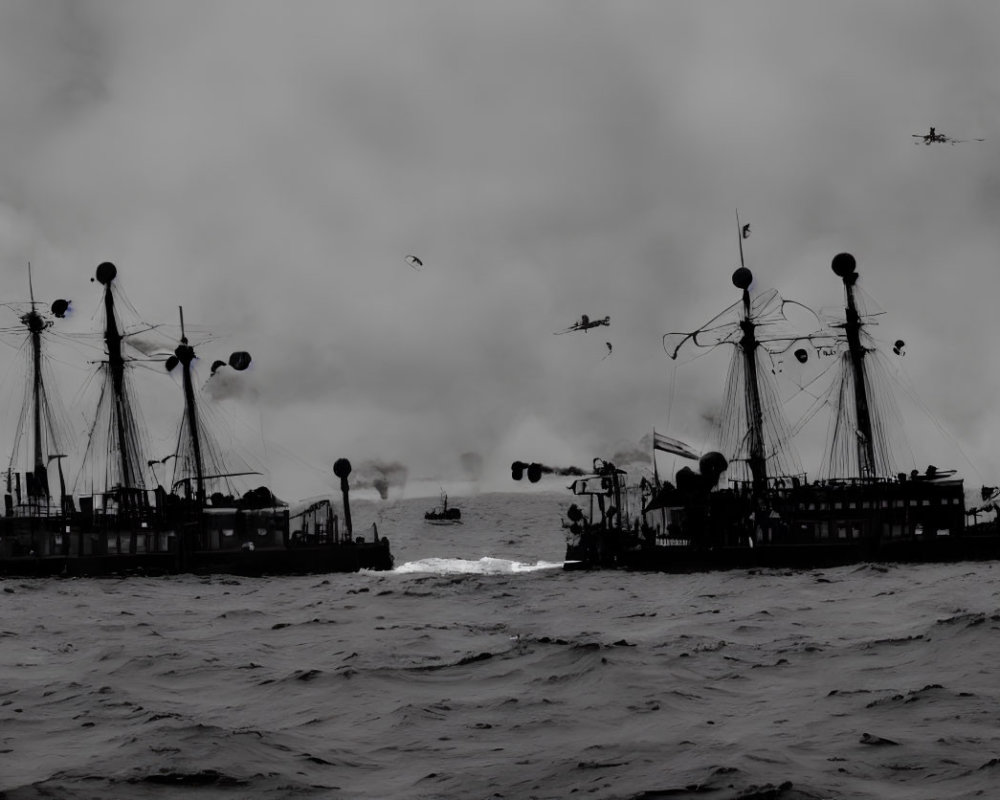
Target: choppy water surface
x,y
479,669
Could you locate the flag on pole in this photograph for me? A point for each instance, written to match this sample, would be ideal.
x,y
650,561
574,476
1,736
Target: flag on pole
x,y
669,445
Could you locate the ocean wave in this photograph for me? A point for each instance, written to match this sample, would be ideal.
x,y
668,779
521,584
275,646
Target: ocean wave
x,y
463,677
486,565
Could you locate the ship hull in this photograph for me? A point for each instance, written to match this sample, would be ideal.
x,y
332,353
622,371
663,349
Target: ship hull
x,y
683,558
837,523
223,541
301,561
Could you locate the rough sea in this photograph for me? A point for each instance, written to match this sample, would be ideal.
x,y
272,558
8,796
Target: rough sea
x,y
479,669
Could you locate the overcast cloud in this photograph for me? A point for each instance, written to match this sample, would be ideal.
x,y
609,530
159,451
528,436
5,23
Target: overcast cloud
x,y
269,165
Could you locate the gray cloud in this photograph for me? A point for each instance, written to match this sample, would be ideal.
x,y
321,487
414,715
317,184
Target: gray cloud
x,y
268,167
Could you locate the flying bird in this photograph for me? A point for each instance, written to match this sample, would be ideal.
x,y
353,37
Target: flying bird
x,y
609,350
746,231
934,137
585,323
414,262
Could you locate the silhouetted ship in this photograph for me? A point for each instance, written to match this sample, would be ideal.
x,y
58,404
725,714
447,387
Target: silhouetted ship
x,y
119,525
767,514
444,514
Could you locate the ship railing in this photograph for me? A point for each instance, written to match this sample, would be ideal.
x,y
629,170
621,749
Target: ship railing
x,y
785,484
34,510
776,483
669,540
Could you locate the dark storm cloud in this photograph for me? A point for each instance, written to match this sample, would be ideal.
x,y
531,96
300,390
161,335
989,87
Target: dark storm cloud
x,y
269,167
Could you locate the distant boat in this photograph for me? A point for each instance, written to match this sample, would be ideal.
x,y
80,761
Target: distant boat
x,y
766,513
444,514
120,523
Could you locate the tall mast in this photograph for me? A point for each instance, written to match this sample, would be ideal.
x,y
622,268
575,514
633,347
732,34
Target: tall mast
x,y
742,279
37,420
121,412
36,325
845,266
185,355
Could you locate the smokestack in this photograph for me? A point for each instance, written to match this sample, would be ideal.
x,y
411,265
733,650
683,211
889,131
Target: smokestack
x,y
342,468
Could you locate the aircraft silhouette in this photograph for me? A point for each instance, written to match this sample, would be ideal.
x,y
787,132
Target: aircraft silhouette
x,y
933,136
585,324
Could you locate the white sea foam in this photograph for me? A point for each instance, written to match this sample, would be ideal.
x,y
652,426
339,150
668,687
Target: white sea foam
x,y
486,565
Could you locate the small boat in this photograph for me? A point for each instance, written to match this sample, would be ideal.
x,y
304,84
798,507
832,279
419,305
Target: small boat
x,y
748,504
125,521
444,514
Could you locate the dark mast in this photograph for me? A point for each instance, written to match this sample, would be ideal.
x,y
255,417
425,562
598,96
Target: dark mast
x,y
37,419
742,278
122,419
756,461
845,267
36,323
185,355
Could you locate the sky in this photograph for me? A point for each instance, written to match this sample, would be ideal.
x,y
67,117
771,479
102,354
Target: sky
x,y
268,166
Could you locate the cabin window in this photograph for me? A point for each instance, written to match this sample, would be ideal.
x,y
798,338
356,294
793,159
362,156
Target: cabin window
x,y
227,532
884,504
898,504
262,532
822,506
143,524
838,505
841,533
866,504
824,530
925,503
852,505
812,506
954,501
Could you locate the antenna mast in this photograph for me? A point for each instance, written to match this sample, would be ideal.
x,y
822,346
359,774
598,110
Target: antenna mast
x,y
739,236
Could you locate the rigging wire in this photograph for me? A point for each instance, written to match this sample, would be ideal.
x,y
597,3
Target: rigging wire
x,y
909,388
